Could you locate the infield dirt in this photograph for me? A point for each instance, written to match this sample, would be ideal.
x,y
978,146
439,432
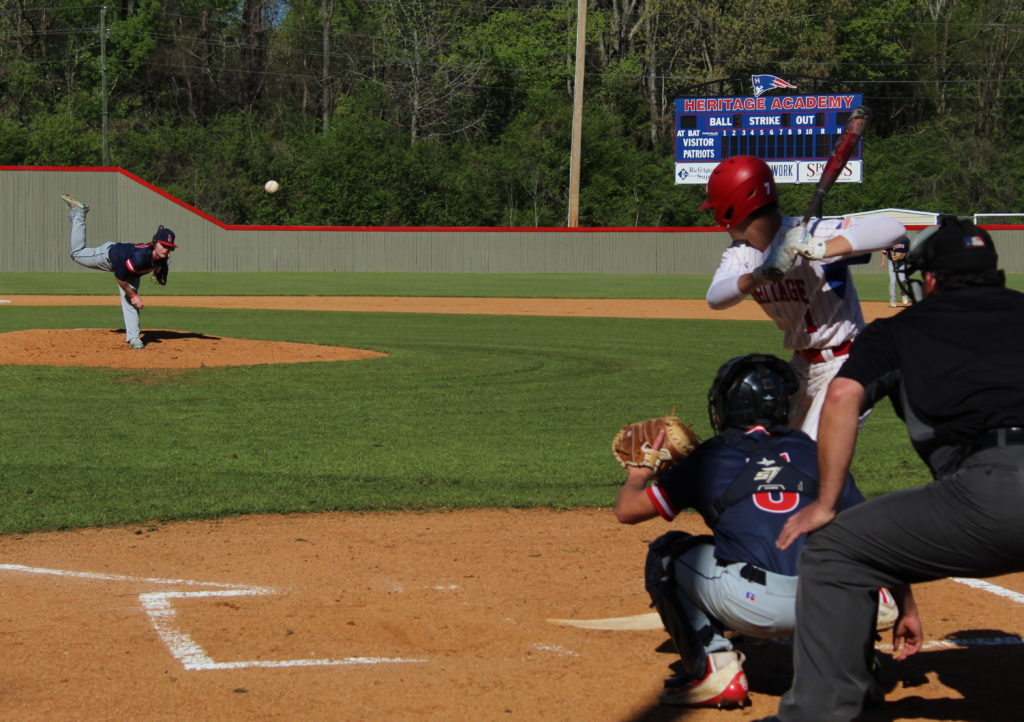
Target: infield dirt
x,y
394,616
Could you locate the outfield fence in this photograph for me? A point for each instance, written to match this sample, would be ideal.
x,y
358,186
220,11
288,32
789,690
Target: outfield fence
x,y
125,208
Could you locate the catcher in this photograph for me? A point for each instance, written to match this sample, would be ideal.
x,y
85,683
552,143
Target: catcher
x,y
745,482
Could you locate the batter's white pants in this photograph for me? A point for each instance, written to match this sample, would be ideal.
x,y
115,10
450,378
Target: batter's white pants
x,y
814,380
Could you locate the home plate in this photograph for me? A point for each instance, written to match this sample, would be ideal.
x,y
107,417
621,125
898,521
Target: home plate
x,y
633,623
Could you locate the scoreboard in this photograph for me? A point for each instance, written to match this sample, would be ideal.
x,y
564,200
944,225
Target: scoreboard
x,y
794,134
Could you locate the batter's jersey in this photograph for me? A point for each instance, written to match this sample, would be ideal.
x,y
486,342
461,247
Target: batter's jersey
x,y
130,260
953,365
815,304
760,463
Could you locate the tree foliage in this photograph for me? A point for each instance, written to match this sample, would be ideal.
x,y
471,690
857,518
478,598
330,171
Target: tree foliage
x,y
459,112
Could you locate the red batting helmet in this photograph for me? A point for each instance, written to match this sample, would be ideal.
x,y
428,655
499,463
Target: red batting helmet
x,y
739,186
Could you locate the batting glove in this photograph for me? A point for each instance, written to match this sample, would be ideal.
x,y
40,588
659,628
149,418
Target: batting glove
x,y
763,276
802,243
778,262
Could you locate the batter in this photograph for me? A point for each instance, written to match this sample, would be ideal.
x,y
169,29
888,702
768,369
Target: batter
x,y
815,303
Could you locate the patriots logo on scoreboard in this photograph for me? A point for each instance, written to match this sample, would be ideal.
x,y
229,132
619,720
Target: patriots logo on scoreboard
x,y
764,83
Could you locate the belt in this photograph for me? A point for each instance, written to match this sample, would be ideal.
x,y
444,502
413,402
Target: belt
x,y
995,437
753,574
817,355
748,572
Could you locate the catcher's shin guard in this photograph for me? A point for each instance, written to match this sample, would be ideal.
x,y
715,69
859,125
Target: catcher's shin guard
x,y
661,585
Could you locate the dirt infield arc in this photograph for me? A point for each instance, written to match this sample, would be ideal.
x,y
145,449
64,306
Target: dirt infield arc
x,y
747,310
439,616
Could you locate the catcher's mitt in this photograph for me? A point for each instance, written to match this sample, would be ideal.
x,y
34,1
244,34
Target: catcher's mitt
x,y
634,444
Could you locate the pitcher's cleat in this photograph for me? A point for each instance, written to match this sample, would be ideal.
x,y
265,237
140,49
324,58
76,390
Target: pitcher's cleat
x,y
74,204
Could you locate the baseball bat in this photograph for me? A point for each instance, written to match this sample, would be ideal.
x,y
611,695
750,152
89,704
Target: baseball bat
x,y
852,134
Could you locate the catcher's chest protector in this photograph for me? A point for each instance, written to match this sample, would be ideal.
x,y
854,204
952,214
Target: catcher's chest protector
x,y
767,472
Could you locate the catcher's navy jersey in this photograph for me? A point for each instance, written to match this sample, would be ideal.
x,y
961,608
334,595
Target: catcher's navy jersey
x,y
744,485
130,259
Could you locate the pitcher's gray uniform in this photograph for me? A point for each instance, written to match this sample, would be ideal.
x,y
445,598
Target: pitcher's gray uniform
x,y
127,261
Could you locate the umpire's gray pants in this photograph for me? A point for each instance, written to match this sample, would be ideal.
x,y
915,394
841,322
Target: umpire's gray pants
x,y
965,524
98,258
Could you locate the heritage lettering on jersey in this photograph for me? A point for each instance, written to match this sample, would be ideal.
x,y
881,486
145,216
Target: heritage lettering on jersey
x,y
788,289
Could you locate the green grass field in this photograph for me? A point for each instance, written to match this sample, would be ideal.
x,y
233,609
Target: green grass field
x,y
465,411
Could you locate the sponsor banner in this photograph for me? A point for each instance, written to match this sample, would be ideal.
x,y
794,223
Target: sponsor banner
x,y
694,173
810,171
785,172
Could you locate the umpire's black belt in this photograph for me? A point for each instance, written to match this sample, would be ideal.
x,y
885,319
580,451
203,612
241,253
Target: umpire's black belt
x,y
749,572
996,437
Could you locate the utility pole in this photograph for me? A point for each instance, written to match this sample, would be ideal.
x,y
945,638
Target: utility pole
x,y
577,114
103,86
327,11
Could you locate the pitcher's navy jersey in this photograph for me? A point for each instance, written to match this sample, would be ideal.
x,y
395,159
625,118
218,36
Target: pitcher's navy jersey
x,y
763,465
130,259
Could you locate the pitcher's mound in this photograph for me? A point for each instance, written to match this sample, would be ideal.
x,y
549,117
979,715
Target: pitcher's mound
x,y
164,349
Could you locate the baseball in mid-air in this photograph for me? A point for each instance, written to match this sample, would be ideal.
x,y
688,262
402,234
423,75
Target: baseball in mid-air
x,y
271,186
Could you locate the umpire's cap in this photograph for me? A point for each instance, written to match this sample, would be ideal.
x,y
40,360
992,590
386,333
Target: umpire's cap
x,y
954,244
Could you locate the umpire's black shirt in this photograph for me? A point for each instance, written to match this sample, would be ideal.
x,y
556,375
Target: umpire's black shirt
x,y
953,365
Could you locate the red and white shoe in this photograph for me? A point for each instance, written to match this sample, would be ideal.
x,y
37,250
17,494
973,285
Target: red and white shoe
x,y
724,685
887,613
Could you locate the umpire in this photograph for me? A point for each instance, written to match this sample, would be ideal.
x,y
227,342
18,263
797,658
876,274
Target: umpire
x,y
951,364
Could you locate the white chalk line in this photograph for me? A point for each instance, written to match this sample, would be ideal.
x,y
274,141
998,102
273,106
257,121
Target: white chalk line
x,y
991,588
962,642
125,578
164,620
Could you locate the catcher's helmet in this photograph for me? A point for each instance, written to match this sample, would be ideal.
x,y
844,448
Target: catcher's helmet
x,y
739,186
750,390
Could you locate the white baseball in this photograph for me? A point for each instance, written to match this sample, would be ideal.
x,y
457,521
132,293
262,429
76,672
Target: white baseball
x,y
271,186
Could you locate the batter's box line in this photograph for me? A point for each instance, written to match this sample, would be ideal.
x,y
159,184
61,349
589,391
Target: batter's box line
x,y
99,576
163,617
159,607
